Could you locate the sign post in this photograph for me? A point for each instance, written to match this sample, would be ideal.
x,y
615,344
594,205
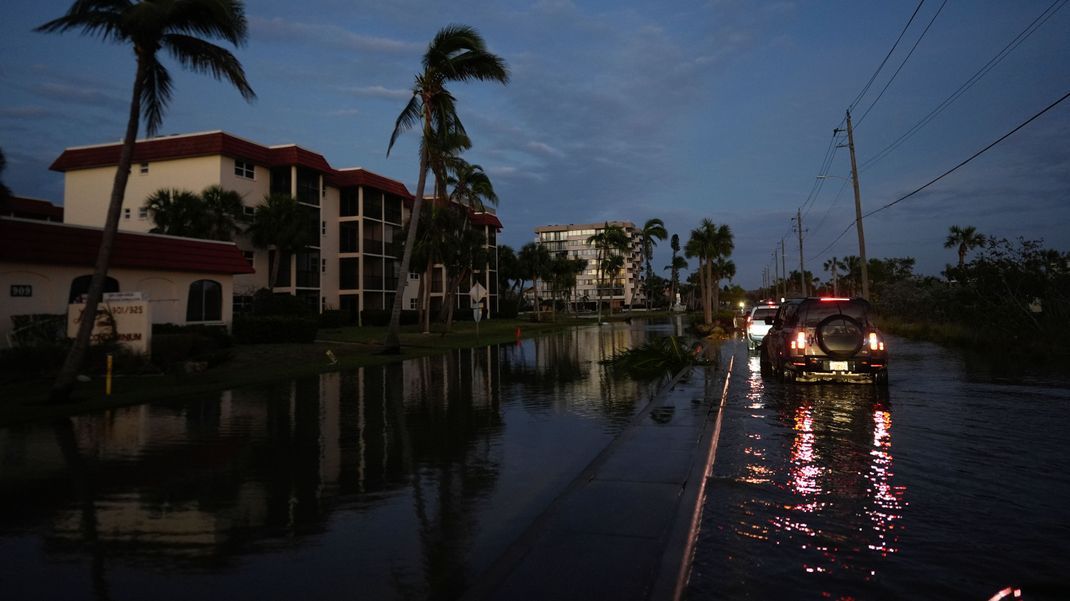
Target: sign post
x,y
477,294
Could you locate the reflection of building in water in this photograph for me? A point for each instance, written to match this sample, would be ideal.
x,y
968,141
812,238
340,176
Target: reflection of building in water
x,y
201,480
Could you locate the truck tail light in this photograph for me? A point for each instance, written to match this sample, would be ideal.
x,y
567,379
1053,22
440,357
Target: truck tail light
x,y
875,344
800,341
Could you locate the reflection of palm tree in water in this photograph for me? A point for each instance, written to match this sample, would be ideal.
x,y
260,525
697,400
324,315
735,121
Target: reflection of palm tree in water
x,y
82,477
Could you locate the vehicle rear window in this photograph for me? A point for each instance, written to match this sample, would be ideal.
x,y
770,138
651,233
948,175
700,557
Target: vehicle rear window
x,y
815,312
764,313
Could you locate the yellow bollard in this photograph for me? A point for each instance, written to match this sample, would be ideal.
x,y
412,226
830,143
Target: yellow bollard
x,y
107,379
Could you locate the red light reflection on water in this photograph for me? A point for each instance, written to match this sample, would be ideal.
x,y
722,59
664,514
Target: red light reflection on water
x,y
804,468
887,500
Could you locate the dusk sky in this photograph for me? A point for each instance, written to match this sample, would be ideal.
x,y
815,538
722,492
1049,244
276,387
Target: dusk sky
x,y
625,110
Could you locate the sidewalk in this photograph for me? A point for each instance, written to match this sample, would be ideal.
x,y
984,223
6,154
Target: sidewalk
x,y
623,528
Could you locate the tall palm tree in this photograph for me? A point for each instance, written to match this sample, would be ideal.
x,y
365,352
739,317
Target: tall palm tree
x,y
534,260
707,243
457,53
653,230
5,192
966,239
281,223
183,28
609,240
675,266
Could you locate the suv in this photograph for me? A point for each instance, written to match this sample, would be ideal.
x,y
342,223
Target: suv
x,y
756,326
821,339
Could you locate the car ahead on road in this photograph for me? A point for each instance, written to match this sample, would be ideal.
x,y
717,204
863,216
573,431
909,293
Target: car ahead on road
x,y
756,326
818,339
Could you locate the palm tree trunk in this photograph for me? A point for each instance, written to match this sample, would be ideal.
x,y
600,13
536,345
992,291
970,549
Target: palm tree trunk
x,y
392,342
535,291
425,301
64,384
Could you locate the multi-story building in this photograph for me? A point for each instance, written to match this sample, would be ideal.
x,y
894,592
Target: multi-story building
x,y
571,241
357,215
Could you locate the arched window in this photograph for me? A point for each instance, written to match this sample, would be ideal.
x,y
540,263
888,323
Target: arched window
x,y
80,286
205,301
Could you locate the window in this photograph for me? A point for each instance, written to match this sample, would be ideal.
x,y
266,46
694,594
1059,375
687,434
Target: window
x,y
249,211
143,213
249,256
323,228
205,301
144,168
348,235
243,304
244,169
126,213
348,270
307,276
80,286
412,304
348,202
323,265
414,275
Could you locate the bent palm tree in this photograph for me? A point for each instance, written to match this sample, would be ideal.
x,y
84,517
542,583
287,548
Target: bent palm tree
x,y
148,26
966,239
457,53
653,230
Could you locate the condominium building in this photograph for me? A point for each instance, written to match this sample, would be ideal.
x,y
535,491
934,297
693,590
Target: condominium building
x,y
358,217
571,241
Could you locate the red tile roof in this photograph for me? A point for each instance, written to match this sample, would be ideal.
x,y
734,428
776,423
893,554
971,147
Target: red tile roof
x,y
222,143
486,219
31,208
59,244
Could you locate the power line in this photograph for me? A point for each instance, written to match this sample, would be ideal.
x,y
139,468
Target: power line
x,y
946,173
889,55
909,54
974,156
971,81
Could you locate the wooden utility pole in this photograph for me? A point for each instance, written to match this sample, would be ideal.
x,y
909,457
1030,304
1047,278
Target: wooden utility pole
x,y
784,266
776,280
858,210
802,267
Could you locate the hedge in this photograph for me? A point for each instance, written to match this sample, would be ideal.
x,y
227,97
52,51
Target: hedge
x,y
261,329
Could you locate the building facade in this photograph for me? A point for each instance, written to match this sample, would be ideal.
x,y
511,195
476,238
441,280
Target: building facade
x,y
570,241
358,216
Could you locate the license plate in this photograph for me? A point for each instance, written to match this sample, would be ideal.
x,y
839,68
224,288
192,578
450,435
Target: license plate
x,y
837,365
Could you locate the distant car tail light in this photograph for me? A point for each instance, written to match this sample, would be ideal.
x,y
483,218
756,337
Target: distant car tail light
x,y
800,341
875,344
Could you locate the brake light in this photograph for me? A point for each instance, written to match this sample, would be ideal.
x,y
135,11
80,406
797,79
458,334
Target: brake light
x,y
800,341
832,299
875,344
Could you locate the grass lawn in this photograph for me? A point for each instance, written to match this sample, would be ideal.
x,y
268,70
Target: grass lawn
x,y
263,363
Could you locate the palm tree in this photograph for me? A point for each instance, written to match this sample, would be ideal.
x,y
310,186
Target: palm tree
x,y
282,223
176,213
471,186
608,240
653,230
225,214
148,26
833,266
966,239
707,243
5,192
534,262
675,266
457,53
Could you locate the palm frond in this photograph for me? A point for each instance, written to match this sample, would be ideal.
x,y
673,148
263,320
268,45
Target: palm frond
x,y
155,94
200,56
223,19
408,118
102,18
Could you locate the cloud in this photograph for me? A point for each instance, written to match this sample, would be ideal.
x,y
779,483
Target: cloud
x,y
544,149
378,92
84,95
343,112
26,112
330,35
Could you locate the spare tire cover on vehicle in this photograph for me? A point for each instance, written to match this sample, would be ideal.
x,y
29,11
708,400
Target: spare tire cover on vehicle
x,y
840,336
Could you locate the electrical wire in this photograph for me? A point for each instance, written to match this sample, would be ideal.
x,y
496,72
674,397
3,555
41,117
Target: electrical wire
x,y
1023,35
946,173
889,55
909,54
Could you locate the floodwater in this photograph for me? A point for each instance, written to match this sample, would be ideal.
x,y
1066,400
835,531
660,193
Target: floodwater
x,y
951,484
396,482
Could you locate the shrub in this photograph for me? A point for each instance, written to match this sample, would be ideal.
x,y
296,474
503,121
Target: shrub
x,y
25,362
261,329
334,319
266,302
381,317
39,328
508,307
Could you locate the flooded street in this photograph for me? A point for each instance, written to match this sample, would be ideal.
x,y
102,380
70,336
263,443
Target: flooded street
x,y
950,484
395,482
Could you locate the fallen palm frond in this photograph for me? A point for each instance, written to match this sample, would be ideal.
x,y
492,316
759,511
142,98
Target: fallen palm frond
x,y
658,357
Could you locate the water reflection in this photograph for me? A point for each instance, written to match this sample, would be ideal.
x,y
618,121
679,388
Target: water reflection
x,y
401,481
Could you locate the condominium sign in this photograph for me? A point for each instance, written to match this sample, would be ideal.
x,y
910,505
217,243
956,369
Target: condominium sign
x,y
121,316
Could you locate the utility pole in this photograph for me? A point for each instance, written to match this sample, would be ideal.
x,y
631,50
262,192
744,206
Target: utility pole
x,y
858,210
784,266
802,267
776,281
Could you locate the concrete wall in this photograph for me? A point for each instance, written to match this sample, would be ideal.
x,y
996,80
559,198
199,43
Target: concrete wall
x,y
168,291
